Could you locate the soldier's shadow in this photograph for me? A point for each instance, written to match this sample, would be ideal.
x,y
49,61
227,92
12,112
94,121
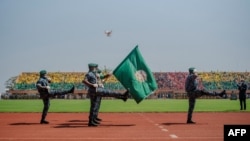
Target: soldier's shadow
x,y
173,123
180,123
84,123
23,123
78,121
73,124
117,125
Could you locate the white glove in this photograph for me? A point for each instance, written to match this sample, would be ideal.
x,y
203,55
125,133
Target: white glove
x,y
48,78
101,85
95,85
48,87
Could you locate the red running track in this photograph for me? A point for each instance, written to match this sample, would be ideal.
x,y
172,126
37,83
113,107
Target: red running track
x,y
118,126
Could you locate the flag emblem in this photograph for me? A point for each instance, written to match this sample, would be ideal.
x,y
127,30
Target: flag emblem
x,y
141,75
135,75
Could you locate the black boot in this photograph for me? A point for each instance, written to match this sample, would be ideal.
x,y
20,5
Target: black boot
x,y
96,122
221,94
98,119
44,122
92,124
61,92
72,90
125,96
190,122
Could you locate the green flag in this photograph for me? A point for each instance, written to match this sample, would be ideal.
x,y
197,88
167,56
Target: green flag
x,y
134,74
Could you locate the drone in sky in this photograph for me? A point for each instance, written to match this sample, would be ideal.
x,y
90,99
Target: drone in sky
x,y
108,33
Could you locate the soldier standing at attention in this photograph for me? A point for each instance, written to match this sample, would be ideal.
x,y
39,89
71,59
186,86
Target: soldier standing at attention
x,y
100,79
193,92
94,91
242,87
46,93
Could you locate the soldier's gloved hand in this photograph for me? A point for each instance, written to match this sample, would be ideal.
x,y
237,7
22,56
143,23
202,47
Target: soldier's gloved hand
x,y
48,87
95,85
101,85
49,79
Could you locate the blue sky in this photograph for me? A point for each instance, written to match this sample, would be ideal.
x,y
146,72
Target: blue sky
x,y
65,35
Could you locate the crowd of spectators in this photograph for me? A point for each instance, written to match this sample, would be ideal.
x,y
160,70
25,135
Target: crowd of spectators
x,y
165,80
60,80
207,80
171,80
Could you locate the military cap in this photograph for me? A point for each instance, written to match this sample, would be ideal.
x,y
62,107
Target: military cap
x,y
92,65
192,70
43,72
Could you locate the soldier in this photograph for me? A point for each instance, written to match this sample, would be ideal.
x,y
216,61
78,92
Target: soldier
x,y
242,87
193,92
46,93
94,91
100,78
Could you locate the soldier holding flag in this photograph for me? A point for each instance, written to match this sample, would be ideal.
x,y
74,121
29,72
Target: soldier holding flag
x,y
100,79
95,91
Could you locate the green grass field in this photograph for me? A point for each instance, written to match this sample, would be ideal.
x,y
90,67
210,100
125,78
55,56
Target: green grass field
x,y
161,105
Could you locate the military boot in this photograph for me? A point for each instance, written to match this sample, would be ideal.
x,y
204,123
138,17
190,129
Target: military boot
x,y
98,119
96,122
92,124
221,94
72,90
44,122
124,97
190,122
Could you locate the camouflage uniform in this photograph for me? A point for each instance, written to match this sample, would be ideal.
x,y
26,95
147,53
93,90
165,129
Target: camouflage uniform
x,y
100,78
45,93
191,87
97,92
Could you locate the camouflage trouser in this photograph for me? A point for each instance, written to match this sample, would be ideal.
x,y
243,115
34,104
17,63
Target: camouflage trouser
x,y
192,98
199,93
102,92
46,104
53,93
98,104
95,100
93,106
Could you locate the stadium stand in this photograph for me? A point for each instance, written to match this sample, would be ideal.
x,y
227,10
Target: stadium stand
x,y
170,84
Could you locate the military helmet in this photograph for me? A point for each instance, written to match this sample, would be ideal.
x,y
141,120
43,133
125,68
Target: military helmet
x,y
43,72
192,70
